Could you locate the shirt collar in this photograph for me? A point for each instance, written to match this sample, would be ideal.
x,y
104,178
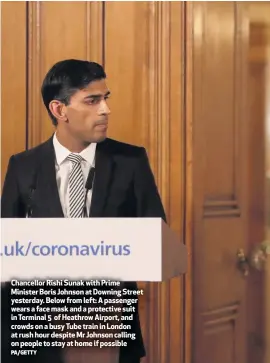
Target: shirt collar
x,y
61,152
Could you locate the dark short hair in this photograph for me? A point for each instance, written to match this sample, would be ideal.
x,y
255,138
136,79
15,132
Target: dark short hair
x,y
67,77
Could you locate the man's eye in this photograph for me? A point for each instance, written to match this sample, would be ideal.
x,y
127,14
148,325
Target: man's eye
x,y
93,101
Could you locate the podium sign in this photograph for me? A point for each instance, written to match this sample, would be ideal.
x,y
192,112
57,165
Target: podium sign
x,y
122,249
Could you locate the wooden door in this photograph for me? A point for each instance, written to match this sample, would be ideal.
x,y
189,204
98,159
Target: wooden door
x,y
228,105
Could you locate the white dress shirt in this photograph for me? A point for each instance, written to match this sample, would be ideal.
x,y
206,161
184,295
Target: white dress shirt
x,y
63,168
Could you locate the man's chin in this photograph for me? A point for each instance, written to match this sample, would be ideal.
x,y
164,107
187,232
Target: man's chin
x,y
99,138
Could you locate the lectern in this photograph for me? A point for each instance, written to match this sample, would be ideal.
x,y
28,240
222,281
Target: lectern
x,y
122,249
74,251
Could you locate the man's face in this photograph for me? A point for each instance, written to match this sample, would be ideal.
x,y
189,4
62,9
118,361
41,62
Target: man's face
x,y
87,113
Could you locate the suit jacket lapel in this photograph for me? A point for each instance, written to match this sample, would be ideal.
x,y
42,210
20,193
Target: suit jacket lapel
x,y
47,185
103,174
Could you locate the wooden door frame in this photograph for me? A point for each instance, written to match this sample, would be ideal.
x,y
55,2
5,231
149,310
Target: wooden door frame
x,y
188,166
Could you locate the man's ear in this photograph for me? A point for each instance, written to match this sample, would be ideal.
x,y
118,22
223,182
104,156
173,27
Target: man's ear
x,y
58,109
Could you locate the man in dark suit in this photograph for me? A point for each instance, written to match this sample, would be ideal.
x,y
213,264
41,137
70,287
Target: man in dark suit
x,y
49,181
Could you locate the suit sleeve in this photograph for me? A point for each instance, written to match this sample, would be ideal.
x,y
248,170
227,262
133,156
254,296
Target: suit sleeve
x,y
11,206
147,196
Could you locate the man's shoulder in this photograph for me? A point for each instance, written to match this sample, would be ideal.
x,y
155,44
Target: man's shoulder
x,y
30,154
113,146
116,147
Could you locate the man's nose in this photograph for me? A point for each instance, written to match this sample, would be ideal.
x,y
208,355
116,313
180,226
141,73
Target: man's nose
x,y
104,109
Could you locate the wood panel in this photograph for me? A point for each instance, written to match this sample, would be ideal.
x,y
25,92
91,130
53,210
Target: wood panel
x,y
220,326
189,195
219,181
256,229
259,91
143,55
51,38
146,80
13,81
